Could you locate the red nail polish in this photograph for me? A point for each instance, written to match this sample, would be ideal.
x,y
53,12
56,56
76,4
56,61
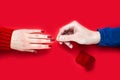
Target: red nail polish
x,y
49,36
42,31
50,46
52,40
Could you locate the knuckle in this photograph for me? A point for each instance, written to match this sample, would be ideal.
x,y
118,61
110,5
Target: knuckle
x,y
60,29
75,21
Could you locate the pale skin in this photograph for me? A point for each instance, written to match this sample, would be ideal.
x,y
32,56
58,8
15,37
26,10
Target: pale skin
x,y
30,40
80,35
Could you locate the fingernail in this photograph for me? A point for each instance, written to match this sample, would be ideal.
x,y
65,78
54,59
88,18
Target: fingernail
x,y
57,38
50,46
49,36
52,40
61,38
42,31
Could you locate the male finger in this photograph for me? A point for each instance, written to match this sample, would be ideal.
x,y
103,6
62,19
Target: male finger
x,y
63,29
68,44
64,38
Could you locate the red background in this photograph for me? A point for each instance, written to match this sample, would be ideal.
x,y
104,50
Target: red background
x,y
59,62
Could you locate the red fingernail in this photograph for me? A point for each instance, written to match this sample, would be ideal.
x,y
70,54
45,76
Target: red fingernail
x,y
50,46
49,36
52,40
42,31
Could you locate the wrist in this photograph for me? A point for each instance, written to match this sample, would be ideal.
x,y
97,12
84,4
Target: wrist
x,y
96,37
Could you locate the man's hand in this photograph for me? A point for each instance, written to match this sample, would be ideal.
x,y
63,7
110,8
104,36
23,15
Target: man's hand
x,y
30,40
77,33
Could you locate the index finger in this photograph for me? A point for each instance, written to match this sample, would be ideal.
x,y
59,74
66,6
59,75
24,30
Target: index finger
x,y
63,29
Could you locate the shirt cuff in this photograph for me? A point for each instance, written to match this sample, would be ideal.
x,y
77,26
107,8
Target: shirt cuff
x,y
102,37
5,38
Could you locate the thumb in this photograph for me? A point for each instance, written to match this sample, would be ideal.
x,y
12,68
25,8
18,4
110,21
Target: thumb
x,y
68,44
64,38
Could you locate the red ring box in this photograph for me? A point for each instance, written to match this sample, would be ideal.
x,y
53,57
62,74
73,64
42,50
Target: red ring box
x,y
85,60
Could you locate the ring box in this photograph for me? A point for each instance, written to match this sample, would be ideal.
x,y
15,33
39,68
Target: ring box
x,y
85,60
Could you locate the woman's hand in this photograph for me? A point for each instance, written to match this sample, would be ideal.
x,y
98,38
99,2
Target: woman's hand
x,y
77,33
30,40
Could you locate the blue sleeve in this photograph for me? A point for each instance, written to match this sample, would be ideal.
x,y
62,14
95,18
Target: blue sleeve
x,y
110,37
